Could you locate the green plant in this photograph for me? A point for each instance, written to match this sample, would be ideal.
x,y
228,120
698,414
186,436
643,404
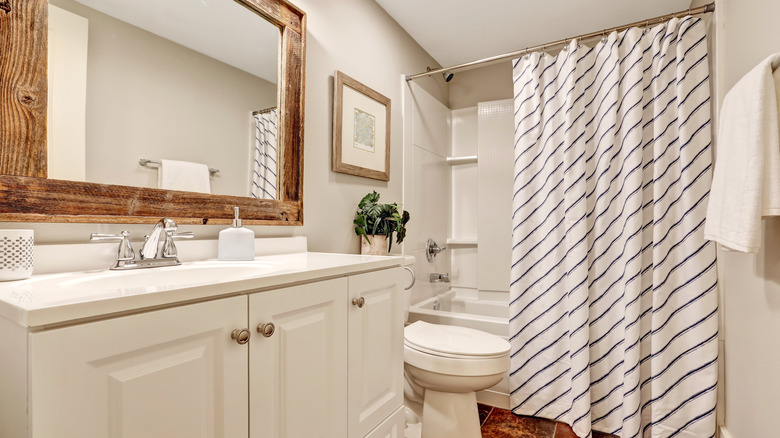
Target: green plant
x,y
373,218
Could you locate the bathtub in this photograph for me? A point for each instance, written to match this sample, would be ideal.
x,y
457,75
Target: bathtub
x,y
488,312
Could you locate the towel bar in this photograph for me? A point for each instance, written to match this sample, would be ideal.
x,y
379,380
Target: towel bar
x,y
148,163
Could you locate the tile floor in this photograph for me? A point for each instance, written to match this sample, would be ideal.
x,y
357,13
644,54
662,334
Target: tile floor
x,y
500,423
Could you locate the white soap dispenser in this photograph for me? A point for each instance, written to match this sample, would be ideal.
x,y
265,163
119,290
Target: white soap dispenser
x,y
236,242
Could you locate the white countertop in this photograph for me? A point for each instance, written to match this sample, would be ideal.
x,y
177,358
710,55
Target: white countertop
x,y
61,298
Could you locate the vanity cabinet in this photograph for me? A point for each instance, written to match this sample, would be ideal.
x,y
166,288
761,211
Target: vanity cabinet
x,y
324,359
332,366
375,350
162,374
298,374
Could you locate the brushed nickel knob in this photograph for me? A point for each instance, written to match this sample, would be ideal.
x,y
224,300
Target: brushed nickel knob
x,y
266,329
358,302
240,335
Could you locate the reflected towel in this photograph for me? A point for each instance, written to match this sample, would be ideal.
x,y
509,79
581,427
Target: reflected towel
x,y
746,184
185,176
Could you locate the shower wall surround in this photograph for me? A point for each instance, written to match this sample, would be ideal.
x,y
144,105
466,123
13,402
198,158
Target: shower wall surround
x,y
465,204
480,200
426,139
495,137
464,200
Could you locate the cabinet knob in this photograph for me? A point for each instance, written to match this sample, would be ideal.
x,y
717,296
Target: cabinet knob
x,y
266,329
358,302
240,335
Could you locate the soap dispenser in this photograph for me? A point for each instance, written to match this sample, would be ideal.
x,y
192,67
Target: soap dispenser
x,y
236,242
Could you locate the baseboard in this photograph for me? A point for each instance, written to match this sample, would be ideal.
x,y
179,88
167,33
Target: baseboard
x,y
493,398
723,432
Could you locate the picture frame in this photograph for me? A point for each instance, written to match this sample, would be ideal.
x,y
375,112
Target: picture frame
x,y
361,129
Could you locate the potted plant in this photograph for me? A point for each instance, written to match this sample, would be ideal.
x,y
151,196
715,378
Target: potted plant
x,y
375,223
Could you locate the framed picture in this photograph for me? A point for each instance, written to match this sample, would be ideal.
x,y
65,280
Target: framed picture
x,y
361,129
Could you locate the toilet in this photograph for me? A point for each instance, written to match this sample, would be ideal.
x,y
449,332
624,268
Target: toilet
x,y
445,366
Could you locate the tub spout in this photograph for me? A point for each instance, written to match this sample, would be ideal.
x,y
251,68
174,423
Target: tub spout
x,y
437,278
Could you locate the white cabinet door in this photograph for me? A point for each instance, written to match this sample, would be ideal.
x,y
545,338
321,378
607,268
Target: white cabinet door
x,y
393,427
375,349
298,375
168,373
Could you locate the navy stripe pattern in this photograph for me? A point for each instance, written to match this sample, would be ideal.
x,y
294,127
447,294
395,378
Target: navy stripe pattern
x,y
613,314
264,167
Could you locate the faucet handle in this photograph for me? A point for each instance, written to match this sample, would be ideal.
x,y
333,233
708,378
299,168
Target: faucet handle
x,y
432,249
169,248
168,224
125,251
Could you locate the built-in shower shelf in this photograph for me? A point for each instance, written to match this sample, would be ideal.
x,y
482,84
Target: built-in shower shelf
x,y
462,242
454,161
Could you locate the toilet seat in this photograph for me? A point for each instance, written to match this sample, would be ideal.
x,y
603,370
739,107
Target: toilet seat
x,y
454,350
453,341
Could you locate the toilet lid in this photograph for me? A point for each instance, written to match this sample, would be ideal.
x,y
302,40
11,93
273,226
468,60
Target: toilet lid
x,y
451,340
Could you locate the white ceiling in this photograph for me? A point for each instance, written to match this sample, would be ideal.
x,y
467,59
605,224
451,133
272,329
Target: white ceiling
x,y
223,30
458,31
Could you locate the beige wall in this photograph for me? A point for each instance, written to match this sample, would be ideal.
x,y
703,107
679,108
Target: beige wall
x,y
360,39
67,95
484,84
148,97
747,31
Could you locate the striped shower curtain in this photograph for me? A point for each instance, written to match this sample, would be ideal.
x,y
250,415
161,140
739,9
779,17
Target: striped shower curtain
x,y
613,288
264,167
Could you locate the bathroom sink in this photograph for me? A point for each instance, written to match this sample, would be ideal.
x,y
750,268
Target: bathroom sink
x,y
168,277
52,298
76,287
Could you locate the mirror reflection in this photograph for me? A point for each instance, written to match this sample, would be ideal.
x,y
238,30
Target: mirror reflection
x,y
168,85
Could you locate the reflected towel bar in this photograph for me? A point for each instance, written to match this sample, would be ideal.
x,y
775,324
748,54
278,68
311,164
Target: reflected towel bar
x,y
151,163
266,110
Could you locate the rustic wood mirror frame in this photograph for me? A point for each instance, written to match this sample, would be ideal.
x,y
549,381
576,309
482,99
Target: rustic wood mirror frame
x,y
26,194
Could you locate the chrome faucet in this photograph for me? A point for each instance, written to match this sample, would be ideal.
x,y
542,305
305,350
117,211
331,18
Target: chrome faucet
x,y
158,250
159,244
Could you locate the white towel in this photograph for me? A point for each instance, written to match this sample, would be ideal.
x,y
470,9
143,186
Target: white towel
x,y
185,176
746,183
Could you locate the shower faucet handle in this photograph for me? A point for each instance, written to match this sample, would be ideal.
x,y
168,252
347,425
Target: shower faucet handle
x,y
432,249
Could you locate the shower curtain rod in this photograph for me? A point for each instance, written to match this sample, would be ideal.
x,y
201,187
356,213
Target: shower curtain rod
x,y
516,54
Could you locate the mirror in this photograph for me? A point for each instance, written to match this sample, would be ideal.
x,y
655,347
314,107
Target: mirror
x,y
149,80
181,95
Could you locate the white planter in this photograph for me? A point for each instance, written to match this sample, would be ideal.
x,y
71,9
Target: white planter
x,y
378,245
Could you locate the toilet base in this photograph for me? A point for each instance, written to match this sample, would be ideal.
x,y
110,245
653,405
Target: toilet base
x,y
450,415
